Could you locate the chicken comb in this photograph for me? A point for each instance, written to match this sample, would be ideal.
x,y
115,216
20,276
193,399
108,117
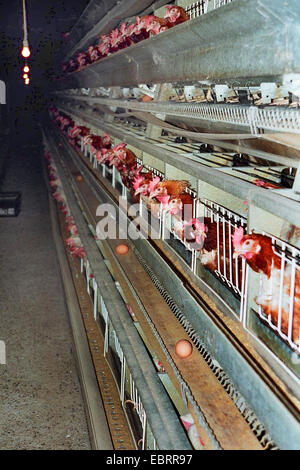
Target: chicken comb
x,y
237,237
259,183
119,146
137,182
114,33
153,183
136,172
149,19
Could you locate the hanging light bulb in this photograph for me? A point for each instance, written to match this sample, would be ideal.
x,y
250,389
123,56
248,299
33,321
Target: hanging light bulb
x,y
25,75
26,69
25,51
27,81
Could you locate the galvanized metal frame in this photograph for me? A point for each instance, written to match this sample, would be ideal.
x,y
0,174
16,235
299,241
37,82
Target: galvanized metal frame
x,y
284,207
90,116
261,397
209,50
250,118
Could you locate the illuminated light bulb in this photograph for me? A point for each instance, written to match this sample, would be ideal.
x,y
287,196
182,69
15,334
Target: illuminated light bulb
x,y
25,51
27,81
25,75
26,69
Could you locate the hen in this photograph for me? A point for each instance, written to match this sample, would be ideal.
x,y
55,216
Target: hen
x,y
129,173
93,53
172,188
104,46
82,59
75,247
176,14
124,36
76,133
115,40
142,182
139,33
124,155
104,156
180,206
157,25
171,197
207,237
277,279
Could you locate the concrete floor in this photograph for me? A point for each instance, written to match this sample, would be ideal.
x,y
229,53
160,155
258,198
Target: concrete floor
x,y
41,405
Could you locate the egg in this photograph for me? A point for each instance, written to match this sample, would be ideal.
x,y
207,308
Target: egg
x,y
122,249
146,98
183,348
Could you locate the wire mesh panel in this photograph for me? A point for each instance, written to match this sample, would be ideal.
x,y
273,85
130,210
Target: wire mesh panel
x,y
275,268
197,9
217,250
221,3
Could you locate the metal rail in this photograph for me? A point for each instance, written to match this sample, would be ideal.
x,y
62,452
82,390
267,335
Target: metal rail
x,y
161,415
211,176
289,160
250,118
235,44
287,209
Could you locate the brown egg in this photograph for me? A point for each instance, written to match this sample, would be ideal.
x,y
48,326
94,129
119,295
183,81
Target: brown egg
x,y
183,348
146,98
122,249
79,178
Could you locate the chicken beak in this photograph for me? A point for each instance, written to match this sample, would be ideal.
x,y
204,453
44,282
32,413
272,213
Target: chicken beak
x,y
238,253
138,191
